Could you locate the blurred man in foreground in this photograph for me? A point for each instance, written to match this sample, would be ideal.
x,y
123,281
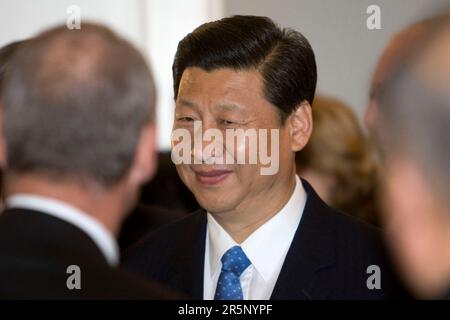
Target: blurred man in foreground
x,y
394,54
77,143
414,113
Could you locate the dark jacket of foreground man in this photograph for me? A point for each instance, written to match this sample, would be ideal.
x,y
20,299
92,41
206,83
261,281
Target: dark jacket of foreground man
x,y
35,251
328,257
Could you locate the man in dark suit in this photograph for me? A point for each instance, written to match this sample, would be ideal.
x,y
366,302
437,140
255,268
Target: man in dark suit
x,y
77,143
263,232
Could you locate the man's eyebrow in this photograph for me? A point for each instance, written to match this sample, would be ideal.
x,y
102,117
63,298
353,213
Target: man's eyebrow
x,y
186,103
231,107
224,106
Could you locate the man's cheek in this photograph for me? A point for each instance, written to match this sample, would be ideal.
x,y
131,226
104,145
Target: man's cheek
x,y
185,173
241,150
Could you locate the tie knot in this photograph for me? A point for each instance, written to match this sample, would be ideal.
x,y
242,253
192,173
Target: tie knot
x,y
235,260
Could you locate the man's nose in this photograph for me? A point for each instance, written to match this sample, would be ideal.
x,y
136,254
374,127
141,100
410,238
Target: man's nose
x,y
207,145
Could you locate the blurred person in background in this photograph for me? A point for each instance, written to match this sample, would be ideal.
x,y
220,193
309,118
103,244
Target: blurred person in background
x,y
77,143
167,190
414,140
338,160
163,200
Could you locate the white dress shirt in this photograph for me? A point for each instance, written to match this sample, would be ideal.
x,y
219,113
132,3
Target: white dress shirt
x,y
266,248
104,240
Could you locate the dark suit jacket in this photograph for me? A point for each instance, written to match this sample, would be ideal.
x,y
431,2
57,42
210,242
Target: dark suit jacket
x,y
144,219
35,251
327,259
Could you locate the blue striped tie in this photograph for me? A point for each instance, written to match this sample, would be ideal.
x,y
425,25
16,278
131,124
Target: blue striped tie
x,y
234,262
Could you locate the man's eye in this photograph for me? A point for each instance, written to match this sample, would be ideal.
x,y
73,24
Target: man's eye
x,y
227,122
185,119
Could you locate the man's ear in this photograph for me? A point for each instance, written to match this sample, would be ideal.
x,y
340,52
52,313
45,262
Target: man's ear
x,y
301,124
3,155
145,161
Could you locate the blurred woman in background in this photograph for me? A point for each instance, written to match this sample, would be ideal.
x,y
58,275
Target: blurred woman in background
x,y
338,160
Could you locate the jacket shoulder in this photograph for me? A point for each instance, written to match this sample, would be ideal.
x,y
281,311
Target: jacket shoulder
x,y
354,239
359,253
166,241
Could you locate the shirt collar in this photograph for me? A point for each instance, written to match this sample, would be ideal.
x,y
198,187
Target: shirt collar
x,y
104,240
275,236
220,241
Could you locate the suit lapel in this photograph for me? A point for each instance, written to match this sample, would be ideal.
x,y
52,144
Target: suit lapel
x,y
311,250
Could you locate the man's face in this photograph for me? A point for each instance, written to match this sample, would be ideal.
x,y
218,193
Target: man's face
x,y
227,99
415,229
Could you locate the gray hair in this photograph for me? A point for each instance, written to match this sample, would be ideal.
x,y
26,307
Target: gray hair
x,y
415,112
75,103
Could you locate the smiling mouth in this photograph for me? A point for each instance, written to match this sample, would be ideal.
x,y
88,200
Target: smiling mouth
x,y
212,177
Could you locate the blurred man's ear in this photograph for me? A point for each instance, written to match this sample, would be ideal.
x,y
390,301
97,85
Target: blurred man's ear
x,y
3,156
301,124
370,115
144,165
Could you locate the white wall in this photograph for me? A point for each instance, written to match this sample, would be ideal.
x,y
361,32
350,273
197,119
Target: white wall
x,y
346,51
167,22
24,18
